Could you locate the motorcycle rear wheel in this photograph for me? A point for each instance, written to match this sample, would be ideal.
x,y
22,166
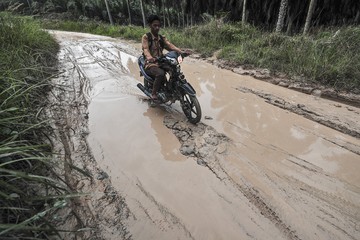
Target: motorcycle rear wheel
x,y
191,108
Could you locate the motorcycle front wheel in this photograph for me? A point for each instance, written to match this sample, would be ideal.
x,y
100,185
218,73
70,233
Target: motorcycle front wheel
x,y
191,108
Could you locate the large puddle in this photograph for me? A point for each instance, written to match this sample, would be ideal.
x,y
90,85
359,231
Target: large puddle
x,y
295,165
252,123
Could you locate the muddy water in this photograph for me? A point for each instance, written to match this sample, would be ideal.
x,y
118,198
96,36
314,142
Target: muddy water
x,y
170,196
249,120
281,176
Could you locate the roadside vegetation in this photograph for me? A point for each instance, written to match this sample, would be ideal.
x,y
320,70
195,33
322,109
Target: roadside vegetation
x,y
329,57
28,196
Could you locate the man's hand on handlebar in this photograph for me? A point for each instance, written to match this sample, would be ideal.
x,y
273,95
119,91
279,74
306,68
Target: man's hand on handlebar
x,y
151,60
186,52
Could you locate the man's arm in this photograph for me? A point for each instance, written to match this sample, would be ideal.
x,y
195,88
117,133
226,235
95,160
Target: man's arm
x,y
171,47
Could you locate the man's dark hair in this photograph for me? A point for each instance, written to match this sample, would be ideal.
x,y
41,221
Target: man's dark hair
x,y
152,18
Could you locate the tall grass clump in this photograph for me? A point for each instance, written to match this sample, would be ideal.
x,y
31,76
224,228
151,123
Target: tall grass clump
x,y
27,57
328,58
210,37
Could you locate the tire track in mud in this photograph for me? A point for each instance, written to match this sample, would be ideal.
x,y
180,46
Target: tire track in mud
x,y
85,212
210,149
84,85
337,212
100,210
206,145
110,62
332,122
169,217
342,205
338,142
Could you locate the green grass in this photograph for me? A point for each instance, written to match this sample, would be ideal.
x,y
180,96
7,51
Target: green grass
x,y
325,58
27,58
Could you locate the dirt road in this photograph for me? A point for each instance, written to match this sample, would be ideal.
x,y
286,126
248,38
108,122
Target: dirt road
x,y
264,163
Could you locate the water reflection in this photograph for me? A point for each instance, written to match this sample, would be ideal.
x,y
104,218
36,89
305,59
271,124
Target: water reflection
x,y
169,145
259,126
250,121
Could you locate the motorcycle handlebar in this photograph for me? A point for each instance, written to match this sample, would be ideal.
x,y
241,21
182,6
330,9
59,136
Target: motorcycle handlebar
x,y
160,59
185,54
163,59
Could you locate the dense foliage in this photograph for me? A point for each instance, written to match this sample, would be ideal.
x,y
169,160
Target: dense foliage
x,y
261,13
27,55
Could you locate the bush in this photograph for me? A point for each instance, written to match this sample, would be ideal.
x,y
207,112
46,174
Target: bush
x,y
328,59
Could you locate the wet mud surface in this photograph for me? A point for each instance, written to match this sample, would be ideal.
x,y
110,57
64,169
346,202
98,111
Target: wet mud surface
x,y
265,162
296,83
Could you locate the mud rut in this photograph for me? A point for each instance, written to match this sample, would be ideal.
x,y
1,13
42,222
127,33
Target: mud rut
x,y
257,199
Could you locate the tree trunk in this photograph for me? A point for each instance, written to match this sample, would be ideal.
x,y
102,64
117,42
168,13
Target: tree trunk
x,y
289,25
168,16
356,20
163,12
269,12
183,15
215,7
179,21
128,7
184,19
243,19
309,16
191,20
289,21
143,13
281,17
29,3
108,10
191,12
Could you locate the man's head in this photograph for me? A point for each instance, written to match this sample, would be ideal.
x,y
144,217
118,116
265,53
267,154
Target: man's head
x,y
154,24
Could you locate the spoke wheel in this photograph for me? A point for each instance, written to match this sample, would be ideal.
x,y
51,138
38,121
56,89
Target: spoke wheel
x,y
191,108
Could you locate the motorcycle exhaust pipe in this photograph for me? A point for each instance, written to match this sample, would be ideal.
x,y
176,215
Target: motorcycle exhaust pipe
x,y
144,90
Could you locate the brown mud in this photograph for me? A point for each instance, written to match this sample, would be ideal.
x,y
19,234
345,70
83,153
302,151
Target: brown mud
x,y
265,162
296,83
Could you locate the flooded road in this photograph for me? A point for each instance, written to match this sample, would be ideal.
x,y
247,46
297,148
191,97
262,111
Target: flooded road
x,y
250,170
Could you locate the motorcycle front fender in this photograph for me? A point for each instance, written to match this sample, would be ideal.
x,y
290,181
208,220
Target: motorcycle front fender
x,y
187,88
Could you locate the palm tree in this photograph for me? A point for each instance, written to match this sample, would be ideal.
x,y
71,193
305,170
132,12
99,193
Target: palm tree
x,y
309,16
244,12
281,17
128,7
108,11
143,13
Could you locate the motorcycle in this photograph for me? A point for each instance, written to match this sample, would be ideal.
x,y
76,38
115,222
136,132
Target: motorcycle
x,y
176,88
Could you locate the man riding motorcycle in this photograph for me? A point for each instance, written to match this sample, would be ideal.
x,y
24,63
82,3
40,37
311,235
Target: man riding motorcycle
x,y
153,44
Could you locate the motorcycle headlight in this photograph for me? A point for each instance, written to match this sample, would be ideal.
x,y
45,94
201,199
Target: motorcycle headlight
x,y
172,61
180,59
